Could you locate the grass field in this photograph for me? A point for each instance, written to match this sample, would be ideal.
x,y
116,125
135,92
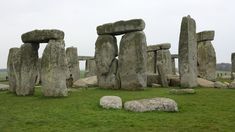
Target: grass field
x,y
207,110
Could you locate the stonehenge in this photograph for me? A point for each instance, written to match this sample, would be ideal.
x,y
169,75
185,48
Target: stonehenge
x,y
73,63
129,70
188,53
206,57
24,66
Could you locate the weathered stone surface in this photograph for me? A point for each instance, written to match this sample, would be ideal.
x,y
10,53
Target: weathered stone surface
x,y
205,83
4,87
233,66
86,82
82,58
73,63
205,36
219,84
28,69
174,56
152,78
42,36
152,48
163,46
121,27
173,66
164,58
54,69
182,91
188,53
174,80
153,104
106,51
206,60
132,61
90,69
151,62
13,68
232,85
162,74
111,102
154,85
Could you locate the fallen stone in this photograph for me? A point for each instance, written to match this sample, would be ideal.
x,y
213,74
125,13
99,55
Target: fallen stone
x,y
132,64
28,69
54,69
111,102
86,82
154,85
220,85
4,87
153,104
205,83
152,78
232,85
42,36
121,27
205,36
182,91
188,53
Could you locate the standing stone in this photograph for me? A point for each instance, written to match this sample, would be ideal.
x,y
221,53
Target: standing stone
x,y
151,62
13,68
106,51
132,61
28,69
233,66
90,68
38,78
188,53
54,69
73,63
206,60
164,58
173,57
163,74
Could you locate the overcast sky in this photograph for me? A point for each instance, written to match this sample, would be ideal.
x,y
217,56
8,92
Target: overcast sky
x,y
79,19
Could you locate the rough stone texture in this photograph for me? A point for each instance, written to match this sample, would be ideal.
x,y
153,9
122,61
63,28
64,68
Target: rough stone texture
x,y
205,36
42,36
4,87
164,58
206,60
90,69
132,66
174,80
205,83
54,69
163,75
151,62
13,68
182,91
86,82
111,102
84,58
153,104
164,46
73,63
152,78
188,53
219,84
173,66
154,85
232,85
152,48
233,65
121,27
28,69
105,52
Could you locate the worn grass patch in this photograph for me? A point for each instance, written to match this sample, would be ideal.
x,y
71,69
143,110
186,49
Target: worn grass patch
x,y
207,110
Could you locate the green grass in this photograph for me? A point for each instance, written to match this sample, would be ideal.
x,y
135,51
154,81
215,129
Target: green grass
x,y
207,110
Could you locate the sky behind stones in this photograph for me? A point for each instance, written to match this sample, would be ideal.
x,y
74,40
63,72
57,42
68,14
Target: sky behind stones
x,y
79,19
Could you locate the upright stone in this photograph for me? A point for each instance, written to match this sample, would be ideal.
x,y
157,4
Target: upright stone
x,y
73,63
164,58
13,68
106,51
163,74
90,68
132,61
54,69
206,60
151,62
28,69
233,66
188,53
